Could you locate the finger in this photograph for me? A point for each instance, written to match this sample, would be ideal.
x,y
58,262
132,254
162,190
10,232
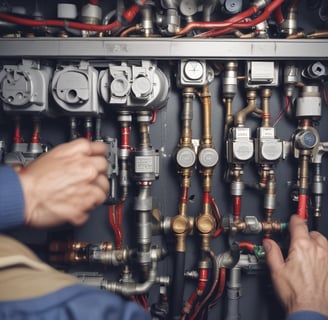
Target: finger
x,y
82,146
320,239
102,183
98,148
79,219
100,163
274,257
298,229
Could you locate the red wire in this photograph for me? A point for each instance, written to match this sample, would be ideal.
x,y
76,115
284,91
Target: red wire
x,y
247,246
244,25
217,217
282,112
221,24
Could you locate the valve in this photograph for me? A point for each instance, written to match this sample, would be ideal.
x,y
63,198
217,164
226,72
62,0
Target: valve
x,y
240,147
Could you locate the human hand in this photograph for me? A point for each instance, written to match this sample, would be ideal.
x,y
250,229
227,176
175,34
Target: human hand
x,y
301,280
64,184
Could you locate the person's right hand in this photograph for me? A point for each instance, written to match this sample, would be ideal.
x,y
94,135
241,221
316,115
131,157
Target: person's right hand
x,y
301,281
64,184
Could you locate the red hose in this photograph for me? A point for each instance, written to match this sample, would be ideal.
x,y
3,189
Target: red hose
x,y
115,220
278,16
247,246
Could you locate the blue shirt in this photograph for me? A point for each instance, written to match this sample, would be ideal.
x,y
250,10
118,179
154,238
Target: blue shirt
x,y
77,302
307,315
11,199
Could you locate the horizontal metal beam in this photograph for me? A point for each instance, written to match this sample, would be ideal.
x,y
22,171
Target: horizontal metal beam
x,y
164,48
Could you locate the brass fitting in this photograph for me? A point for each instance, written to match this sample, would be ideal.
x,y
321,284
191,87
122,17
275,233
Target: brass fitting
x,y
182,226
240,117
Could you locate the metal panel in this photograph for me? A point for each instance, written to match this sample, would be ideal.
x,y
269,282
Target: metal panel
x,y
159,48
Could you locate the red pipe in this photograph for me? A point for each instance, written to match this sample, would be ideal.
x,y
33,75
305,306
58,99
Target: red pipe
x,y
279,17
302,206
36,136
206,198
125,137
236,206
203,277
94,2
17,135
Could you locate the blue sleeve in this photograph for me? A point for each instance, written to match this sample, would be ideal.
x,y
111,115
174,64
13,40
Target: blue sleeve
x,y
11,199
77,302
307,315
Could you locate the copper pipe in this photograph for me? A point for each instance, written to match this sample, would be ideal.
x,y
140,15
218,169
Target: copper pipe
x,y
228,117
266,115
207,130
319,34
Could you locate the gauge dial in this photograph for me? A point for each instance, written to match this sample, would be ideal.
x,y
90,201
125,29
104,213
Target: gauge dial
x,y
193,70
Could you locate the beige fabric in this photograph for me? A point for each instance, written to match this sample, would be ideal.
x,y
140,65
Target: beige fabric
x,y
23,275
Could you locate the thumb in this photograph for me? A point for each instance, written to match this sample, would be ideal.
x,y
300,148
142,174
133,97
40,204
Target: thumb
x,y
274,257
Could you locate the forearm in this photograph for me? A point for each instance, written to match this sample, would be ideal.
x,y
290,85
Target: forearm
x,y
11,199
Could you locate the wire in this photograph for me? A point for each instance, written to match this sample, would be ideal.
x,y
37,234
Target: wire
x,y
283,111
246,24
324,93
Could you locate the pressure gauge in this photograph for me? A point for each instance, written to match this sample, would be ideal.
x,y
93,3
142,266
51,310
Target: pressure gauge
x,y
193,70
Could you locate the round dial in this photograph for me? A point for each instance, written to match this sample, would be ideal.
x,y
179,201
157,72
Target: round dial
x,y
193,70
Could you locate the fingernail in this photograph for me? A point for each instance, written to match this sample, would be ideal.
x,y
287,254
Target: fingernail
x,y
266,245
